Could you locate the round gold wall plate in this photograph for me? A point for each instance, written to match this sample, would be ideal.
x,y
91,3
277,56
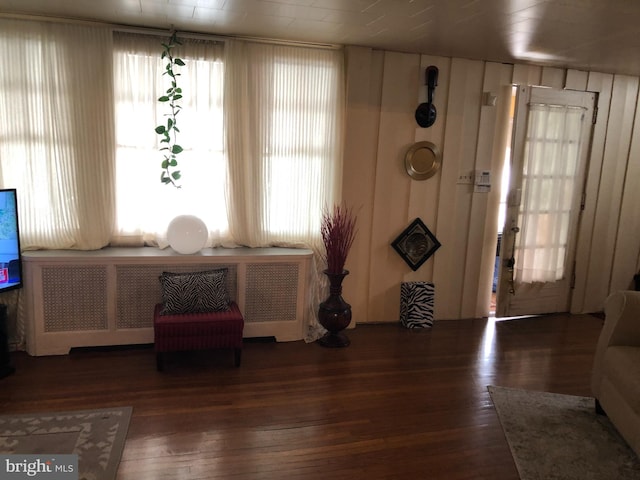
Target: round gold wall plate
x,y
422,160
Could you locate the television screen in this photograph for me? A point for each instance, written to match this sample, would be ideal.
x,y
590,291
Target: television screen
x,y
10,256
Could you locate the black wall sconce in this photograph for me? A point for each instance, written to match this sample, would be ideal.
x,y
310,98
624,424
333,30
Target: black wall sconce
x,y
426,112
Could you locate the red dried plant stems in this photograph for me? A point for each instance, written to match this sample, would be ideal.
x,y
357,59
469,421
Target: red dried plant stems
x,y
338,230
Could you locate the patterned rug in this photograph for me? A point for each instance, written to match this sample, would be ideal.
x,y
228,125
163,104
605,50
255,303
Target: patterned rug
x,y
553,436
96,436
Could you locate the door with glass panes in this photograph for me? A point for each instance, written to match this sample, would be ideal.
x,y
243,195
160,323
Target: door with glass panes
x,y
550,148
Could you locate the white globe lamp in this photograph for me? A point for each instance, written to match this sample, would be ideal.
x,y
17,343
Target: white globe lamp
x,y
187,234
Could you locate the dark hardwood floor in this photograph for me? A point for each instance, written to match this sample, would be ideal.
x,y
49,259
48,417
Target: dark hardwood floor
x,y
396,404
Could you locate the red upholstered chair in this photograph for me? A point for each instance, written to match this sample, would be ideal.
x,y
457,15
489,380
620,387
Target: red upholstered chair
x,y
197,331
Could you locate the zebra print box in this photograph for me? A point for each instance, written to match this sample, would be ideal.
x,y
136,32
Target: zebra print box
x,y
416,304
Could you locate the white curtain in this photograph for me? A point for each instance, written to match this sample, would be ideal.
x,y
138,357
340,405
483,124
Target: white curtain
x,y
145,206
56,125
550,181
283,117
283,108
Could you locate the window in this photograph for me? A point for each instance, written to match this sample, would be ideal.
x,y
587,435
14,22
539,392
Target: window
x,y
260,127
297,149
283,106
261,150
56,132
144,206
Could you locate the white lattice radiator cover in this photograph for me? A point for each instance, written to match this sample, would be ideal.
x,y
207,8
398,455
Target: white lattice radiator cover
x,y
77,299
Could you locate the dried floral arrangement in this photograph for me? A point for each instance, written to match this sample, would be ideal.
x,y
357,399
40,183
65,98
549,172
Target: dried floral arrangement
x,y
338,230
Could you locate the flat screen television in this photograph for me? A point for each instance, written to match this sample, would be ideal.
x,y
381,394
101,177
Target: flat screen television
x,y
10,254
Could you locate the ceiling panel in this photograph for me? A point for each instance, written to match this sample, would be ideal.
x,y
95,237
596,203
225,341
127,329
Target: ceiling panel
x,y
598,35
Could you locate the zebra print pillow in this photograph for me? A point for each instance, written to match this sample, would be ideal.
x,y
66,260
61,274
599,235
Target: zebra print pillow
x,y
194,292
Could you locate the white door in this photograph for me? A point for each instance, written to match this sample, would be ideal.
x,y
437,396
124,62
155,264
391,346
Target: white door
x,y
551,143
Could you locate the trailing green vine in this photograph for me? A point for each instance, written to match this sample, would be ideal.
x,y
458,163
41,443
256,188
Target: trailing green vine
x,y
169,132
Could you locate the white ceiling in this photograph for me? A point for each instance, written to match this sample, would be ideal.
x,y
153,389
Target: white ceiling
x,y
596,35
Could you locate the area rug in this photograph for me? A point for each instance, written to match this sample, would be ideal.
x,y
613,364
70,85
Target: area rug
x,y
96,436
553,436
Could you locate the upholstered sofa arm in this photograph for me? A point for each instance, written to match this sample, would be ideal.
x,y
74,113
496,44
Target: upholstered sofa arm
x,y
622,320
621,328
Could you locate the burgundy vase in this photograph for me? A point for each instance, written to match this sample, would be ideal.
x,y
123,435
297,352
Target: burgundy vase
x,y
334,313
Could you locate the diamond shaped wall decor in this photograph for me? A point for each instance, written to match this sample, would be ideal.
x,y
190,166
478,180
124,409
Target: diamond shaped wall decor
x,y
416,244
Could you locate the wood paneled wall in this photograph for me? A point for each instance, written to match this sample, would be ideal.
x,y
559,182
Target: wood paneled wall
x,y
383,91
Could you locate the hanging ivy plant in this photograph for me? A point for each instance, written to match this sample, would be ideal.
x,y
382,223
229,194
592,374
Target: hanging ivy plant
x,y
169,131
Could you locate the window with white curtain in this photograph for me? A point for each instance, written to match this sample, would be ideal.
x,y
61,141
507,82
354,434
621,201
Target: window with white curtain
x,y
284,139
56,132
300,147
145,206
261,128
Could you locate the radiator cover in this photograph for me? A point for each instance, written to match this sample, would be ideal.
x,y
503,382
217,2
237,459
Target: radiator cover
x,y
106,297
